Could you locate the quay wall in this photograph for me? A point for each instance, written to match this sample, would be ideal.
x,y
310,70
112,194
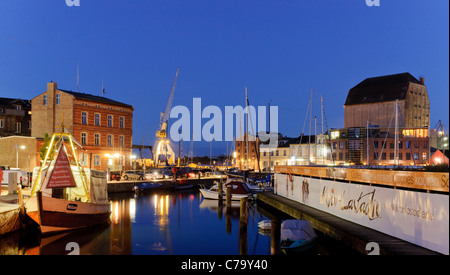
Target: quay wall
x,y
421,218
128,186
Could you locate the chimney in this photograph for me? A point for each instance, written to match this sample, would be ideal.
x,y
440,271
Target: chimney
x,y
51,86
422,80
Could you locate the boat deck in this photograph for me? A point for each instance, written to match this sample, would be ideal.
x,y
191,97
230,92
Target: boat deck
x,y
349,233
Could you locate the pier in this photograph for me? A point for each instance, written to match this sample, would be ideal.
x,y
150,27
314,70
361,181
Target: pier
x,y
354,236
397,210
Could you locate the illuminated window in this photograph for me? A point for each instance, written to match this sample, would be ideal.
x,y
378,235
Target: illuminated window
x,y
96,160
424,156
335,134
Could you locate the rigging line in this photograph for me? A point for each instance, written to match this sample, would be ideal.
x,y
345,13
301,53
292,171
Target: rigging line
x,y
410,147
373,145
304,122
384,142
329,134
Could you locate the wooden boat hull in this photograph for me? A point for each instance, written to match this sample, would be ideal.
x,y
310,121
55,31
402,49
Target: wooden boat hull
x,y
9,218
58,215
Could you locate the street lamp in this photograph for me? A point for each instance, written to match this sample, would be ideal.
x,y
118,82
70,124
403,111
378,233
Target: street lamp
x,y
17,153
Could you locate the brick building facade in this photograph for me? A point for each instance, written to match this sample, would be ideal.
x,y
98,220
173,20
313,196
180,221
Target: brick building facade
x,y
101,125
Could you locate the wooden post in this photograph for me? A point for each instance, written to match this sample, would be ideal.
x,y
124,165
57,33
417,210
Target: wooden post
x,y
228,202
220,192
243,221
275,236
21,205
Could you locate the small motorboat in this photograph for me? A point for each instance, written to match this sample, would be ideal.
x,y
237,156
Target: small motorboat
x,y
147,186
181,184
298,237
239,190
265,225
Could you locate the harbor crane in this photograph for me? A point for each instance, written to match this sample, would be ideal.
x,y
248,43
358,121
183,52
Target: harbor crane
x,y
164,152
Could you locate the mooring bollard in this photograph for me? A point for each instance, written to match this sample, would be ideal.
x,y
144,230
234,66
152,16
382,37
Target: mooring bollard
x,y
228,203
220,192
243,221
275,236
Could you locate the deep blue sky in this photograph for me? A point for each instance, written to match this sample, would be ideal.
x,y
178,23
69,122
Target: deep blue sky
x,y
279,49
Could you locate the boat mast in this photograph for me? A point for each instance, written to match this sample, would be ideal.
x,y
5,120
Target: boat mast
x,y
246,128
396,134
309,138
322,133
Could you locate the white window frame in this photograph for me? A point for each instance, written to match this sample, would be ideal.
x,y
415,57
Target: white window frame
x,y
110,121
97,139
86,118
85,138
18,127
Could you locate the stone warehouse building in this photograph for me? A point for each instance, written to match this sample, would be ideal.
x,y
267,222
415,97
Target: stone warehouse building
x,y
387,121
374,100
102,126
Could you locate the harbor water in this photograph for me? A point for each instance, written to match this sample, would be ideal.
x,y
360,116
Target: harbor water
x,y
163,222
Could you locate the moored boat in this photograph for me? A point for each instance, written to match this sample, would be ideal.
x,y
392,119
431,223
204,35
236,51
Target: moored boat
x,y
145,186
298,237
64,196
239,190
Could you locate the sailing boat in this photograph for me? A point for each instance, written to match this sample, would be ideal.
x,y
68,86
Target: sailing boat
x,y
67,196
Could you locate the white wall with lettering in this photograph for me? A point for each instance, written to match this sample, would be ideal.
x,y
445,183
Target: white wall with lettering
x,y
417,217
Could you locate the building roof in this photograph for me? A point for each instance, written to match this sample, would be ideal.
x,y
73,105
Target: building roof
x,y
381,89
95,98
4,101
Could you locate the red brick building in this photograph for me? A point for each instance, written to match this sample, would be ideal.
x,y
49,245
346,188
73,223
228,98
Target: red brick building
x,y
102,126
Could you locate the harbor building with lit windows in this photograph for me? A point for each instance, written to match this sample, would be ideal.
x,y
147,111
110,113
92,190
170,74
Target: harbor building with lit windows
x,y
102,126
386,122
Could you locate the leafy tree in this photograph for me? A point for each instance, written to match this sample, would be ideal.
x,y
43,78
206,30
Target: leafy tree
x,y
44,146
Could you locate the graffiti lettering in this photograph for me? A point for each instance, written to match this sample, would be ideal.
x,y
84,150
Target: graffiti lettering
x,y
369,208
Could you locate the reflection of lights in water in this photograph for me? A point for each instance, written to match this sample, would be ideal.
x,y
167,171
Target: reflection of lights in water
x,y
132,210
161,206
115,212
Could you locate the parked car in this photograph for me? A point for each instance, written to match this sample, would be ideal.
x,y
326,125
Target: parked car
x,y
207,172
154,174
114,175
132,175
22,176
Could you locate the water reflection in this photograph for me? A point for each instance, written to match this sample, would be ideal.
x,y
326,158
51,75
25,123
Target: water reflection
x,y
160,223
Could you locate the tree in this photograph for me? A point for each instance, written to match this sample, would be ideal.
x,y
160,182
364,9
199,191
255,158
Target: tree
x,y
44,147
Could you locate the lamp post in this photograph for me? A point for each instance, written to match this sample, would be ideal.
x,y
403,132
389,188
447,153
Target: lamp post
x,y
17,154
